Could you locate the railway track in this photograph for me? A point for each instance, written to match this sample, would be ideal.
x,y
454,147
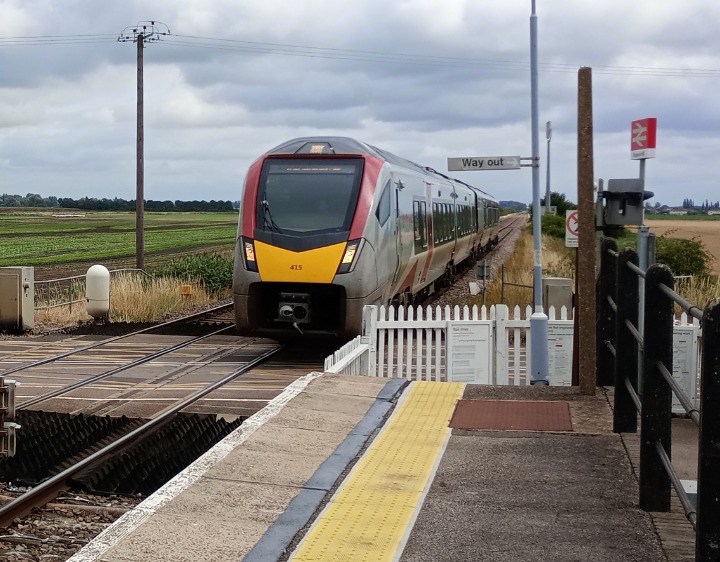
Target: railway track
x,y
507,228
49,489
174,388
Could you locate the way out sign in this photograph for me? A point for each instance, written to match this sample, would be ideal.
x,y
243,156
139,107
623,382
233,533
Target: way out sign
x,y
469,163
571,229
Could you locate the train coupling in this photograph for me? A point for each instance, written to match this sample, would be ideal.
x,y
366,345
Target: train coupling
x,y
294,308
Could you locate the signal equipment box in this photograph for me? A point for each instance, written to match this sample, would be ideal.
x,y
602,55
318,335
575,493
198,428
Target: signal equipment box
x,y
558,292
17,298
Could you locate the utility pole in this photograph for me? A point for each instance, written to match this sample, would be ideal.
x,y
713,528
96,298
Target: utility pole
x,y
143,32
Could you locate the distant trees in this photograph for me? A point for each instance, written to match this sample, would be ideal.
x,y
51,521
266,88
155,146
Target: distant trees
x,y
707,205
104,204
560,202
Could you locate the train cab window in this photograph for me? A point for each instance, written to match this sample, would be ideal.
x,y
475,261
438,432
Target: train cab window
x,y
305,196
383,209
420,226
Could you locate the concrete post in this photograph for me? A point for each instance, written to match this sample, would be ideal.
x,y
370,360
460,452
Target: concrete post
x,y
586,302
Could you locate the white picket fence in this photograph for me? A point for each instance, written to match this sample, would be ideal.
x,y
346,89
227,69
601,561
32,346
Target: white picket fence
x,y
484,345
415,344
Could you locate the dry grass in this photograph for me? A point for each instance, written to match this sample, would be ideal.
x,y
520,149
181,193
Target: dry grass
x,y
132,299
698,291
557,262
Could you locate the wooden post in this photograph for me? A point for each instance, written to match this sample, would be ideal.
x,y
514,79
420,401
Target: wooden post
x,y
625,412
655,425
606,316
140,164
707,543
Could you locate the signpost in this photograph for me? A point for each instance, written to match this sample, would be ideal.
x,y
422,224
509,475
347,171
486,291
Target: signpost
x,y
471,163
643,140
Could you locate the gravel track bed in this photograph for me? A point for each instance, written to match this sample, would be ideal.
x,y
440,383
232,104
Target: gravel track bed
x,y
459,292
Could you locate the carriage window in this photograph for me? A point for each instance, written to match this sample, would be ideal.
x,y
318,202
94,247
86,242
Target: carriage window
x,y
420,226
383,209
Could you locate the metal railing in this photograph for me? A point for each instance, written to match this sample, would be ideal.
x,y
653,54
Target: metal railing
x,y
68,291
626,358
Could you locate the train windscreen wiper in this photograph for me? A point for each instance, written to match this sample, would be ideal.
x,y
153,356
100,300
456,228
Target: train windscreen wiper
x,y
268,221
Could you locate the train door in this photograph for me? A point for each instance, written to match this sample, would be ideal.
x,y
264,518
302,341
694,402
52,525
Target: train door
x,y
386,250
405,239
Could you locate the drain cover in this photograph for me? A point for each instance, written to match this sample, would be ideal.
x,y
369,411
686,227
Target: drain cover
x,y
524,415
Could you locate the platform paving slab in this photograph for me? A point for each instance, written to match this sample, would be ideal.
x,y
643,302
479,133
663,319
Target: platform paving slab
x,y
533,497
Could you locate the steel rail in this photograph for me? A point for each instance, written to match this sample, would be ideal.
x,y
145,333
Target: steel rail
x,y
112,339
688,507
49,489
106,374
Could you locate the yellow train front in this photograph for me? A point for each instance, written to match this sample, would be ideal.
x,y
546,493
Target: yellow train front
x,y
300,239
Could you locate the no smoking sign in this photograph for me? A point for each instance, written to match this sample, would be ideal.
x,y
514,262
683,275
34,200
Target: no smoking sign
x,y
571,229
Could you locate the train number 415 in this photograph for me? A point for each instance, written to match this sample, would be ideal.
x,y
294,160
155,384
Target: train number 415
x,y
297,267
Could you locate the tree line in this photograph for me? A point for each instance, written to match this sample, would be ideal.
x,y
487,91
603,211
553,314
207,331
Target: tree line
x,y
690,204
115,204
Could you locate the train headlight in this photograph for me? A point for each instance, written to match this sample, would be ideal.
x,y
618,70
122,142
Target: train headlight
x,y
249,255
348,260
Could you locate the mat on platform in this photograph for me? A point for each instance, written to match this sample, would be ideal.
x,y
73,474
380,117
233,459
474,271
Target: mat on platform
x,y
525,415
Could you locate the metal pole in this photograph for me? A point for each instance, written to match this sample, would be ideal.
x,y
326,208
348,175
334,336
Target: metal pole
x,y
538,321
548,136
140,178
642,250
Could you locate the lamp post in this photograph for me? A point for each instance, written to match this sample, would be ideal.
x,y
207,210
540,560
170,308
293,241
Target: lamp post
x,y
539,320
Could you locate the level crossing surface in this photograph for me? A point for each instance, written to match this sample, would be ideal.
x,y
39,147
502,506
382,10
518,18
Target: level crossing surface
x,y
408,488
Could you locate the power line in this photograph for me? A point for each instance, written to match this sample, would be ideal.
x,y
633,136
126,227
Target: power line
x,y
155,29
426,60
56,39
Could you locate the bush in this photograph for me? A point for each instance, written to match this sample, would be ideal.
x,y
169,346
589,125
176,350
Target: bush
x,y
682,256
553,226
213,272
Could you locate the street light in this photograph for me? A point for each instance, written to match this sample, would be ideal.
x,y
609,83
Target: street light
x,y
539,372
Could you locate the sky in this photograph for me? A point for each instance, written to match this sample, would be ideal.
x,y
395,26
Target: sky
x,y
227,80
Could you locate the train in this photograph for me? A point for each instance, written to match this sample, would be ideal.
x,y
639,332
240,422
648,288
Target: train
x,y
328,225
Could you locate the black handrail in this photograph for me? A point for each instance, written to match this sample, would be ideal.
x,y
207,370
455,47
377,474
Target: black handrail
x,y
619,345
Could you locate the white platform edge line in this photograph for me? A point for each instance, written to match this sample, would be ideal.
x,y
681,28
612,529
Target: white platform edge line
x,y
131,520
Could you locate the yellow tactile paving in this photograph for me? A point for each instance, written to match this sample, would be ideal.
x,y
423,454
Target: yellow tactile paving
x,y
369,516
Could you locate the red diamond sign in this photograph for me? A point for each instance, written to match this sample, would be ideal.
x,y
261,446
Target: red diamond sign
x,y
643,134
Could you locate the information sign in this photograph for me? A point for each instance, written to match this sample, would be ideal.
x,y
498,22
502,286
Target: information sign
x,y
470,352
560,352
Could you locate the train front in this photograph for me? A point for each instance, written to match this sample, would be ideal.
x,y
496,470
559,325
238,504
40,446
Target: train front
x,y
300,255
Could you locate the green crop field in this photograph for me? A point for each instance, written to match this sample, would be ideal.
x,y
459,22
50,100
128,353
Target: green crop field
x,y
42,238
682,217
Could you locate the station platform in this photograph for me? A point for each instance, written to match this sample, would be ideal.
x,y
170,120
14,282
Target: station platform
x,y
347,468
